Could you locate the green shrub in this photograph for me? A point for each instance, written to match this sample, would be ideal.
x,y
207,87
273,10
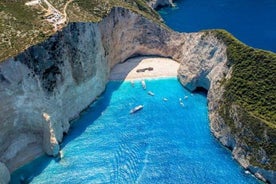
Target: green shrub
x,y
253,81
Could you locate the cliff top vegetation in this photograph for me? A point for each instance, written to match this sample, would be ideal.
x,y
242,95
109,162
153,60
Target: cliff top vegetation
x,y
251,89
253,84
27,22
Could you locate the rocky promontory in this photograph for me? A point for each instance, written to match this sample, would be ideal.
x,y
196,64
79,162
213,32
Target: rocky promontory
x,y
50,83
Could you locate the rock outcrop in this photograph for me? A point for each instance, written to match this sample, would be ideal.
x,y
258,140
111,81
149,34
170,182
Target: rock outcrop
x,y
160,3
203,63
46,86
49,84
4,174
250,147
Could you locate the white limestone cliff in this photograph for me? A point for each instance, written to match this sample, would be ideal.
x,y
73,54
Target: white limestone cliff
x,y
203,63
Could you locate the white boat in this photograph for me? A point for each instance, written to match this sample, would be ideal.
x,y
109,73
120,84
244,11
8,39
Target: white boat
x,y
143,84
150,93
135,109
181,102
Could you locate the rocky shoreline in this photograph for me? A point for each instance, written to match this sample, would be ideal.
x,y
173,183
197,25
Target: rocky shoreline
x,y
49,84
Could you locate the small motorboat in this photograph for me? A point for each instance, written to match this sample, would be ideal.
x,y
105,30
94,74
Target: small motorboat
x,y
165,99
143,84
247,172
135,109
181,102
150,93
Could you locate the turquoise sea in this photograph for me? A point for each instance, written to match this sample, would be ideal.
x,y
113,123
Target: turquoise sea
x,y
165,142
251,21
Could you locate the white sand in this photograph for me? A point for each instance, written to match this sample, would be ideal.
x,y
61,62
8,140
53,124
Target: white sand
x,y
162,67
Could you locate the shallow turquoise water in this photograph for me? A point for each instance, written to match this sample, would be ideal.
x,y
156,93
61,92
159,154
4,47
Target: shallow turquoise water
x,y
163,143
251,21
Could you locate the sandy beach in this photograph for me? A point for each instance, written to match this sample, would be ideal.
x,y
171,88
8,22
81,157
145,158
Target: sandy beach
x,y
144,67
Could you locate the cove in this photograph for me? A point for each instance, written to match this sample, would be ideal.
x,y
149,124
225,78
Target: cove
x,y
165,142
252,22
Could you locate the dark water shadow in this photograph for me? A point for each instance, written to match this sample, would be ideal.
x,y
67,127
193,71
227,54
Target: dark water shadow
x,y
201,90
26,173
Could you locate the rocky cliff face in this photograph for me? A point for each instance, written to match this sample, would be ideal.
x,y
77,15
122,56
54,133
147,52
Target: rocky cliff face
x,y
250,147
205,64
41,89
47,85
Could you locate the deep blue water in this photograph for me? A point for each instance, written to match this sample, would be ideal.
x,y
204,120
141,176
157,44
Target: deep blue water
x,y
251,21
165,142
